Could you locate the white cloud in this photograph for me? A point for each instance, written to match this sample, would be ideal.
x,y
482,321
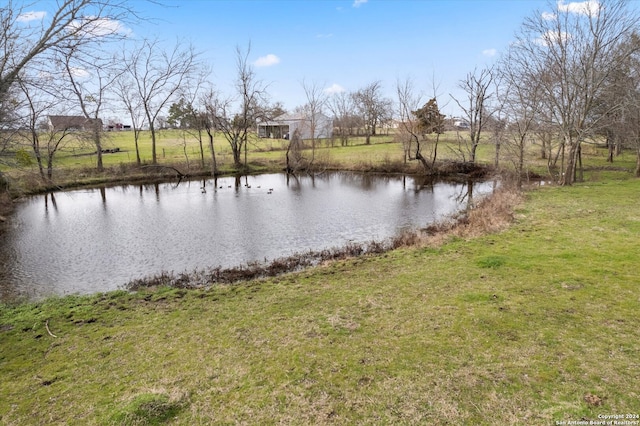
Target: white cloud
x,y
552,37
267,61
548,16
329,35
489,52
80,72
31,16
358,3
587,7
334,88
98,27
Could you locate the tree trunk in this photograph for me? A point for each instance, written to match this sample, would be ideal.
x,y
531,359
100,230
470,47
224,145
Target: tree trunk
x,y
154,156
201,148
579,172
474,147
568,177
98,142
288,165
50,167
520,167
245,153
237,154
435,150
214,165
136,136
36,150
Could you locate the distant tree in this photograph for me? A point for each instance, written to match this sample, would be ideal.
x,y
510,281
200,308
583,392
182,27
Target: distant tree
x,y
626,121
313,110
521,97
72,24
125,91
91,78
44,141
234,116
207,119
573,53
191,112
477,88
180,115
416,123
293,156
11,121
27,39
277,109
409,126
157,76
183,116
343,109
430,120
372,107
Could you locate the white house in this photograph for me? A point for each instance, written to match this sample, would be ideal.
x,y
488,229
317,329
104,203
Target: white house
x,y
286,124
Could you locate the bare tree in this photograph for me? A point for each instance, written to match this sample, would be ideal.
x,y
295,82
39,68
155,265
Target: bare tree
x,y
521,97
235,115
409,126
372,107
572,52
207,119
185,113
10,120
343,110
27,37
157,76
477,88
125,91
40,99
91,77
313,110
71,24
624,124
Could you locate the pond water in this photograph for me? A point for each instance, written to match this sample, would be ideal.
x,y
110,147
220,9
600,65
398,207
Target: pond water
x,y
96,240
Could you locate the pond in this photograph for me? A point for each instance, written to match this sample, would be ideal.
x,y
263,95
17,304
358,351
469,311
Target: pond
x,y
96,240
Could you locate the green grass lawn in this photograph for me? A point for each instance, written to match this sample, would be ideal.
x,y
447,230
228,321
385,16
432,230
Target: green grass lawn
x,y
179,148
537,324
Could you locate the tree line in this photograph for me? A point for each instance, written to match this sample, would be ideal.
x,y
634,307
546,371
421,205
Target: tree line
x,y
571,77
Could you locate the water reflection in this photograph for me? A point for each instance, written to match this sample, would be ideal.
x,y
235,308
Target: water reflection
x,y
97,240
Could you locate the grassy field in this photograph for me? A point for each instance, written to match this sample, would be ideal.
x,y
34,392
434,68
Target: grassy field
x,y
76,163
532,325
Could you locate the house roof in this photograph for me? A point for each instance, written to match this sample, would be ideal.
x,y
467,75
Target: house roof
x,y
66,122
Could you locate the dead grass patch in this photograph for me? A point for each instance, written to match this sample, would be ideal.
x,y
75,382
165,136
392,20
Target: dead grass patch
x,y
491,214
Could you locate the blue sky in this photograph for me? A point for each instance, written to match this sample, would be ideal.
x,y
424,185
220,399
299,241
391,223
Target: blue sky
x,y
343,44
336,44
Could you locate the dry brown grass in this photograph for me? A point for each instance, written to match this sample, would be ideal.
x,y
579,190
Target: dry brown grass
x,y
491,214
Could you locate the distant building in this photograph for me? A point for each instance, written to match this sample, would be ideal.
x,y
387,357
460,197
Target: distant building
x,y
113,126
72,122
285,125
460,123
